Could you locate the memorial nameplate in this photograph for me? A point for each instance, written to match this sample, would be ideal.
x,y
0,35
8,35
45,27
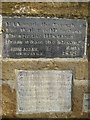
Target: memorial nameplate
x,y
86,102
44,91
44,38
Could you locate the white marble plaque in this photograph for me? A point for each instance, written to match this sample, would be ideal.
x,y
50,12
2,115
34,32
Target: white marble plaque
x,y
42,91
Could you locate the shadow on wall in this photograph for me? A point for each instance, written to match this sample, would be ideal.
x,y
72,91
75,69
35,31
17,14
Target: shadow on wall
x,y
89,57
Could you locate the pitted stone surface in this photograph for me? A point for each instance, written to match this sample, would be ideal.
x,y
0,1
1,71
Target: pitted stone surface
x,y
44,38
42,91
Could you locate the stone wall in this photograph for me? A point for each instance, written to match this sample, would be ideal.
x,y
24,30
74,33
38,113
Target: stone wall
x,y
78,66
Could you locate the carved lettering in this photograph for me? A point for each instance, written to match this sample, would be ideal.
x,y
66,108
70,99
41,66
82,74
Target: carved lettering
x,y
42,37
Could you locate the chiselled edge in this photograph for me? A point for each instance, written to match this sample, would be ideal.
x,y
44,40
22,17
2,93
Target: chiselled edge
x,y
47,59
16,87
0,36
85,51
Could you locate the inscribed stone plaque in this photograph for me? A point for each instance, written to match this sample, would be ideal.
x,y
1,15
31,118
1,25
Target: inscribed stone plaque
x,y
42,91
86,102
44,37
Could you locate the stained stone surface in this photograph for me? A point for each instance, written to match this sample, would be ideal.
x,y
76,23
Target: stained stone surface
x,y
42,91
44,37
86,102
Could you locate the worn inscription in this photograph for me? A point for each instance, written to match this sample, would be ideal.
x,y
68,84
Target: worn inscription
x,y
44,38
44,91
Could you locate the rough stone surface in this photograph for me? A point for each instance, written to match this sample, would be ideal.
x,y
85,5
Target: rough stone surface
x,y
68,10
78,99
8,101
78,66
89,70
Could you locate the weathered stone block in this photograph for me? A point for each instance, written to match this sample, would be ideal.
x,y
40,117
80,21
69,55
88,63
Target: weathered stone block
x,y
68,9
78,66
